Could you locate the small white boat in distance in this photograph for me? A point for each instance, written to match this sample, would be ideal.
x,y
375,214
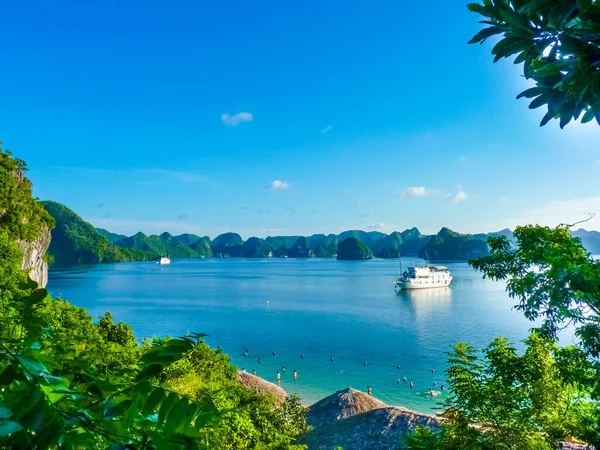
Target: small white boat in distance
x,y
424,277
164,260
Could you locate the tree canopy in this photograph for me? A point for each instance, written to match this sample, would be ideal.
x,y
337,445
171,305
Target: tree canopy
x,y
550,393
558,42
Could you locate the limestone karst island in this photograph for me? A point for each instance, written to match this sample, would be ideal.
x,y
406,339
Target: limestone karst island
x,y
298,226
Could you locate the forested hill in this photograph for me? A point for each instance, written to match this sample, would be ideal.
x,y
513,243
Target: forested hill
x,y
76,241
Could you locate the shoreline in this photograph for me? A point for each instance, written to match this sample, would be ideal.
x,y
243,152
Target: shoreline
x,y
251,381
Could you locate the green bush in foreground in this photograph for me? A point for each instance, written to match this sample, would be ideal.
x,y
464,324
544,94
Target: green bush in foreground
x,y
66,382
502,400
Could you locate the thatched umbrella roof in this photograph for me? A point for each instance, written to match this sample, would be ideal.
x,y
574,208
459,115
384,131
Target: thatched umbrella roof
x,y
378,429
341,405
250,381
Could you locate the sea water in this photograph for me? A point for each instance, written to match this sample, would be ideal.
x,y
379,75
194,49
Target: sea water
x,y
344,317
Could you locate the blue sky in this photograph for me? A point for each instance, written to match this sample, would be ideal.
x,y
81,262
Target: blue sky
x,y
282,118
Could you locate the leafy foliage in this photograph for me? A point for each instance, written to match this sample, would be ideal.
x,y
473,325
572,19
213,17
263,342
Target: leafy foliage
x,y
553,278
76,241
559,44
21,215
502,400
183,246
448,245
352,249
67,382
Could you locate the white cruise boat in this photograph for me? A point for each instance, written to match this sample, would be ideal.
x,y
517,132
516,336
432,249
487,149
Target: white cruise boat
x,y
424,277
164,260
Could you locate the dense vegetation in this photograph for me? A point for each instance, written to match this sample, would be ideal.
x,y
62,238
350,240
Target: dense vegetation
x,y
67,382
558,43
183,246
448,245
549,393
76,241
351,249
21,216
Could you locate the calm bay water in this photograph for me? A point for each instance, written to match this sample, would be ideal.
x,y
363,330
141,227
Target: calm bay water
x,y
321,308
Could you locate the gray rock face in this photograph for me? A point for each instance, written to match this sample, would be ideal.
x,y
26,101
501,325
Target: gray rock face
x,y
33,253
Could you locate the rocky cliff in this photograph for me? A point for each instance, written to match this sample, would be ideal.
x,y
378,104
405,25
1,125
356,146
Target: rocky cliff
x,y
33,256
23,218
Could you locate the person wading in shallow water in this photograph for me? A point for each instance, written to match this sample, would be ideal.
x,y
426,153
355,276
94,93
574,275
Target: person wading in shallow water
x,y
369,390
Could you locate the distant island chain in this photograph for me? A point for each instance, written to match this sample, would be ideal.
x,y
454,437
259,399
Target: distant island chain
x,y
75,241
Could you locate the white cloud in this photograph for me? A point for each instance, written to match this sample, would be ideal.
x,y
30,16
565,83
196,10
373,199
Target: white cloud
x,y
462,158
278,184
376,226
326,129
235,119
417,191
456,198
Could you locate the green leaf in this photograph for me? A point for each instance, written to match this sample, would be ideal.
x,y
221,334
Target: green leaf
x,y
5,413
32,365
150,371
51,393
28,285
36,297
531,92
588,116
477,8
485,33
8,427
584,5
153,401
549,115
176,415
538,101
166,406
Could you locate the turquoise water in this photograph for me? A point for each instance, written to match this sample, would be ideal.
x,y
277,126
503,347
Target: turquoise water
x,y
321,308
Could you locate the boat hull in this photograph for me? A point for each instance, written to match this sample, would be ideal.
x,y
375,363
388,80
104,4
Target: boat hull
x,y
405,286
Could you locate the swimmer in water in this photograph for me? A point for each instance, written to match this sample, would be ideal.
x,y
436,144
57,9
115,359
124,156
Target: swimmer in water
x,y
435,383
369,390
247,350
411,384
259,360
442,387
365,363
302,356
430,392
273,353
398,367
295,375
331,360
278,376
404,379
398,381
254,372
